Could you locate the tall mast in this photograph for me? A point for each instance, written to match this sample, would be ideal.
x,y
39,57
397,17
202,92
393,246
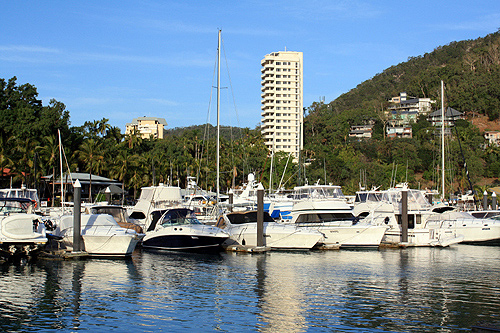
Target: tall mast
x,y
218,115
442,138
61,167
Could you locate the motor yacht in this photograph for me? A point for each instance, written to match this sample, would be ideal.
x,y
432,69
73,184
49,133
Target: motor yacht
x,y
179,229
389,212
242,229
324,208
101,234
22,233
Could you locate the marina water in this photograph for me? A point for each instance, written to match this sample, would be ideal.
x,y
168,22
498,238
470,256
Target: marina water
x,y
387,290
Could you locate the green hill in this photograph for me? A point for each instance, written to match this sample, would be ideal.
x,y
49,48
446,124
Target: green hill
x,y
471,72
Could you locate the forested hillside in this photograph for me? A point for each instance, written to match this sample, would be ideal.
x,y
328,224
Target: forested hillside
x,y
471,72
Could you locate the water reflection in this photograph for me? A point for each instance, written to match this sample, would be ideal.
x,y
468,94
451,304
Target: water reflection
x,y
375,291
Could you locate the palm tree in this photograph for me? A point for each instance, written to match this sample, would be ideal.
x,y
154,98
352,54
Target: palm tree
x,y
23,163
123,163
133,139
49,153
5,160
91,155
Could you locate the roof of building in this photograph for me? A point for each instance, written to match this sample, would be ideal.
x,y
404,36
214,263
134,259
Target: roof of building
x,y
84,178
135,121
450,112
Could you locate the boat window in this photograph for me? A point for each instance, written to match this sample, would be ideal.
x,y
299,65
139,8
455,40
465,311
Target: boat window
x,y
360,197
155,216
248,217
179,217
324,217
138,215
411,220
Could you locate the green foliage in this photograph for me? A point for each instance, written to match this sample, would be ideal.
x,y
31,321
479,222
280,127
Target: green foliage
x,y
470,69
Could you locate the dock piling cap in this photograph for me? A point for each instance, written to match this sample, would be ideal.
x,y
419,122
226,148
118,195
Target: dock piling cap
x,y
77,183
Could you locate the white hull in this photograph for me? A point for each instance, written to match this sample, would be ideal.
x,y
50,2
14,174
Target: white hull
x,y
276,236
18,235
422,237
107,245
101,235
351,236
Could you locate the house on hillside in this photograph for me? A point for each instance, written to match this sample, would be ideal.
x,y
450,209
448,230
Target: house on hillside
x,y
361,131
450,116
405,109
493,138
398,131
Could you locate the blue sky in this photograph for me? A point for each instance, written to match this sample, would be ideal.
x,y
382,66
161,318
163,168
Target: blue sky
x,y
125,59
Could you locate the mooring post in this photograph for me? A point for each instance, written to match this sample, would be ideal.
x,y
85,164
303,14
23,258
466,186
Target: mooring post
x,y
77,212
108,195
404,215
260,215
485,200
231,199
493,201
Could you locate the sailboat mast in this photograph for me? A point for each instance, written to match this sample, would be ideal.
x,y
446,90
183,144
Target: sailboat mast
x,y
442,138
61,166
218,115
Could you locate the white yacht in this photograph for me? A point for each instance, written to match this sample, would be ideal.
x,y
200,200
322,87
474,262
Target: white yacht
x,y
178,229
119,213
389,213
153,198
324,208
101,234
242,229
22,233
474,230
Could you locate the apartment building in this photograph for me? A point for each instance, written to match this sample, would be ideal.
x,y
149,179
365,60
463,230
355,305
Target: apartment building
x,y
147,127
282,101
405,109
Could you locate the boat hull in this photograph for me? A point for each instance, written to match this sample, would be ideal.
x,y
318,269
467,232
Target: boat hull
x,y
422,237
197,237
184,242
106,245
353,236
276,236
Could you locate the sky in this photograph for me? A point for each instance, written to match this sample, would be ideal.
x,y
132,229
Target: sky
x,y
125,59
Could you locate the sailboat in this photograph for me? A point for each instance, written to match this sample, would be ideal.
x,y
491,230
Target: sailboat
x,y
474,230
177,228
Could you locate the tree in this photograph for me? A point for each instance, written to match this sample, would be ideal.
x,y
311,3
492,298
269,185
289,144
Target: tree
x,y
92,156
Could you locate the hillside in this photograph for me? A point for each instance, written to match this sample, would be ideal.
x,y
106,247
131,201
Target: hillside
x,y
471,72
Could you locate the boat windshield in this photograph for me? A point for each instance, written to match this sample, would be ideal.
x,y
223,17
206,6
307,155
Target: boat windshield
x,y
179,217
318,192
14,206
416,199
118,213
368,197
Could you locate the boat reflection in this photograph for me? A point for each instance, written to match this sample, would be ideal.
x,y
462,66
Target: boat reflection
x,y
412,289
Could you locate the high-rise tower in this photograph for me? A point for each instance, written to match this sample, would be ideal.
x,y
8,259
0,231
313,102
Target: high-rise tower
x,y
282,102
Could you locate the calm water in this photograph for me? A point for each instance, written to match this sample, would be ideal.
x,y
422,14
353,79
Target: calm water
x,y
419,289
